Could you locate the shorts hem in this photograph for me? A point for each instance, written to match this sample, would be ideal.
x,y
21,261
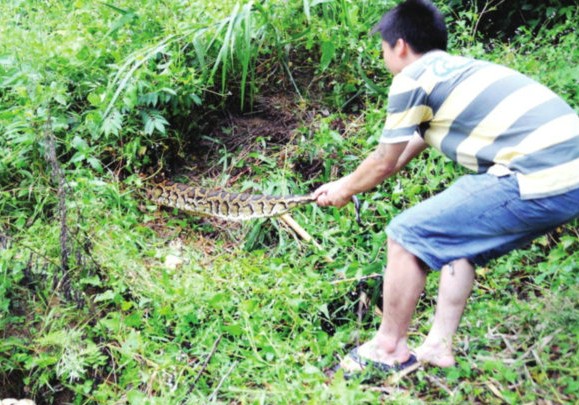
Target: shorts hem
x,y
432,262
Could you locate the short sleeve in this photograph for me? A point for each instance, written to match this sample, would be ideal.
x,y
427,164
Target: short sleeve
x,y
407,110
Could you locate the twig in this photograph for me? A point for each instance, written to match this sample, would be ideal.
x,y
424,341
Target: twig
x,y
395,378
289,221
539,345
529,376
537,358
214,393
58,179
487,8
348,280
204,366
385,390
4,239
508,344
440,385
495,391
39,254
144,178
362,305
205,363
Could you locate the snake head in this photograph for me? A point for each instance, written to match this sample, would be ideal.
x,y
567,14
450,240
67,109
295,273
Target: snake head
x,y
154,193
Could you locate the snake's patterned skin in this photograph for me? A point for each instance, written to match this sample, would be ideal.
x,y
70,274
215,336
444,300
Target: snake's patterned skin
x,y
222,204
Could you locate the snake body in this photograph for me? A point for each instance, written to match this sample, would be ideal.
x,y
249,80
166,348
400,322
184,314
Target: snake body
x,y
223,204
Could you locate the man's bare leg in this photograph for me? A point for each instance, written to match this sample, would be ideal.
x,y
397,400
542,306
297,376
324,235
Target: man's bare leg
x,y
456,282
404,281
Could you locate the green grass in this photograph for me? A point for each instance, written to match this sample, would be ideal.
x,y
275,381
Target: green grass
x,y
145,329
119,302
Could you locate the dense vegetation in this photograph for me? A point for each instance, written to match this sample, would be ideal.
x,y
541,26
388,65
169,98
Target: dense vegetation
x,y
106,299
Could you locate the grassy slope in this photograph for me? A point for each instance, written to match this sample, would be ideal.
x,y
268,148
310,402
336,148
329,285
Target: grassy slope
x,y
156,294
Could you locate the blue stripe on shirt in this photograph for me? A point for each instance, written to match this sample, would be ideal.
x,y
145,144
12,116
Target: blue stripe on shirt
x,y
552,156
441,90
522,127
397,133
477,110
406,100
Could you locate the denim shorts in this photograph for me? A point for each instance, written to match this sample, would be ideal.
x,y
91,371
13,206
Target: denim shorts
x,y
479,218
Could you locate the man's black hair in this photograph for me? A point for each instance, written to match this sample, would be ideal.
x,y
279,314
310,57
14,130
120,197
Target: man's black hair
x,y
418,22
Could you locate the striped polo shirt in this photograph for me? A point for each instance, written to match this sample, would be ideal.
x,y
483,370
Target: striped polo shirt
x,y
488,118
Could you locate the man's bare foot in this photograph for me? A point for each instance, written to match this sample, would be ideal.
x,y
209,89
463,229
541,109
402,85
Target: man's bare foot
x,y
438,355
373,351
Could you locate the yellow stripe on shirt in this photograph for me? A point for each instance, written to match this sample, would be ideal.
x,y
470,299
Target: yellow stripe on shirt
x,y
461,97
509,110
543,183
403,84
411,117
555,131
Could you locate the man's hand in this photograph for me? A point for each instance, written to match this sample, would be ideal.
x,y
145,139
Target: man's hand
x,y
384,162
333,194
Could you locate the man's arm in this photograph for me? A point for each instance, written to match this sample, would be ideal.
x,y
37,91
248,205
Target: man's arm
x,y
413,148
384,162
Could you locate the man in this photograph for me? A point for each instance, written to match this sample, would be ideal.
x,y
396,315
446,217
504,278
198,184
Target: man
x,y
520,139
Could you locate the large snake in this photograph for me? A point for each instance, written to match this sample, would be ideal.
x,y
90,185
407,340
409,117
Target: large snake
x,y
226,205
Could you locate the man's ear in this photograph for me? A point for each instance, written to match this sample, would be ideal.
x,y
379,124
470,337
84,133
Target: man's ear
x,y
401,48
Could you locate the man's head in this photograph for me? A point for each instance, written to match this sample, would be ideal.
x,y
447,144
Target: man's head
x,y
417,22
